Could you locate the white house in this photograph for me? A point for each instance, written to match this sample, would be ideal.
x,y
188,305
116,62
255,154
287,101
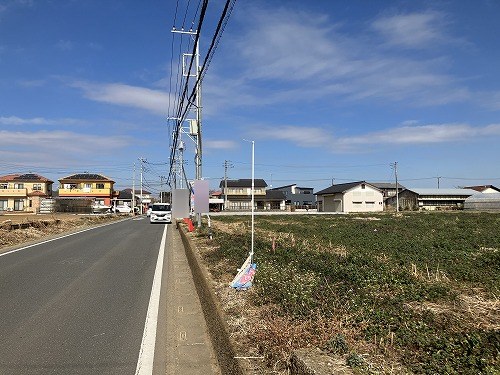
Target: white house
x,y
358,196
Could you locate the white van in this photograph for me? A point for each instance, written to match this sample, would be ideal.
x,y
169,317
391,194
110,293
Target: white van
x,y
160,213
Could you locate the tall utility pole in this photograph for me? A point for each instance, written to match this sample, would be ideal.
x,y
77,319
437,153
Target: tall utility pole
x,y
133,191
227,164
161,188
198,157
397,187
141,160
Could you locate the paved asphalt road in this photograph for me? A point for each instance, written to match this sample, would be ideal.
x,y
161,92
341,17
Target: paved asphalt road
x,y
77,305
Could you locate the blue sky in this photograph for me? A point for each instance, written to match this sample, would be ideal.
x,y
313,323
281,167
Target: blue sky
x,y
330,91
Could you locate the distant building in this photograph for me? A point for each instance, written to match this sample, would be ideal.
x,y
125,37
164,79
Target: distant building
x,y
238,195
431,199
483,202
88,185
297,196
487,189
388,188
23,192
143,197
358,196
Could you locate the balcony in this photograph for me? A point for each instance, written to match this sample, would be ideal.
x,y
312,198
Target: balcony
x,y
13,192
84,192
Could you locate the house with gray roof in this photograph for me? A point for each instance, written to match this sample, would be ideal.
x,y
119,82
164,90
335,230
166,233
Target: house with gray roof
x,y
297,196
431,199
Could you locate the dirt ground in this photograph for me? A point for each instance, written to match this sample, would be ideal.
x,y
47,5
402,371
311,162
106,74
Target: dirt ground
x,y
16,218
44,226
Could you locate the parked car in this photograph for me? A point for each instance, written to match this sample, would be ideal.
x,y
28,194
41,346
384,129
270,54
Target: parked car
x,y
122,209
160,212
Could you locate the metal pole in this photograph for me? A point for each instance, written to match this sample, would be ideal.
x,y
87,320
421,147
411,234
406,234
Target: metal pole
x,y
141,186
225,185
253,194
133,191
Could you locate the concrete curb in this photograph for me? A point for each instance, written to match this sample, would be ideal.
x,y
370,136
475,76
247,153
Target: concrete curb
x,y
214,316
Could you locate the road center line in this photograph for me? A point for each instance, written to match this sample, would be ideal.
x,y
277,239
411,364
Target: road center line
x,y
147,351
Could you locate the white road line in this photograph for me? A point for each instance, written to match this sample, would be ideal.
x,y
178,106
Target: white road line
x,y
57,238
147,352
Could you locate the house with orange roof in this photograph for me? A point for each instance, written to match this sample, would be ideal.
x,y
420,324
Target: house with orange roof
x,y
23,192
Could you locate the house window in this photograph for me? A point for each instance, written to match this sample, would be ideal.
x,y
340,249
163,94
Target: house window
x,y
19,186
4,203
19,205
363,186
4,186
99,186
37,187
88,186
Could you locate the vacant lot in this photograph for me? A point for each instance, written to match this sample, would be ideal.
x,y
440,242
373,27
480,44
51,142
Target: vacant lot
x,y
414,293
42,226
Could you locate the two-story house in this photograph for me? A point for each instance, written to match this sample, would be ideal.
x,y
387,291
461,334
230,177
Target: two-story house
x,y
297,196
23,192
237,195
88,185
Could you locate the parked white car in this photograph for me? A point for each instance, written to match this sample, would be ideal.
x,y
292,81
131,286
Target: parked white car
x,y
122,209
160,213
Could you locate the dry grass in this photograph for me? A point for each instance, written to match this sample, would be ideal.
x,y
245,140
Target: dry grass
x,y
45,226
268,337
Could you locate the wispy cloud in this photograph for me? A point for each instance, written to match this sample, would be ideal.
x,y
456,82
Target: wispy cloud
x,y
45,148
65,141
405,135
64,45
125,95
310,57
412,30
14,120
212,144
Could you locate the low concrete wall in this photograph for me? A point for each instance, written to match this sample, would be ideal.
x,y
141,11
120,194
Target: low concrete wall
x,y
212,311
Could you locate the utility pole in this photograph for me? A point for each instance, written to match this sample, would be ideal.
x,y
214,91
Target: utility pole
x,y
161,188
141,160
226,166
438,178
198,105
397,187
133,191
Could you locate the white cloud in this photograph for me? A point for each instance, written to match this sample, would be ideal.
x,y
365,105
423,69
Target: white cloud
x,y
300,136
310,58
125,95
405,135
419,135
68,144
212,144
64,45
413,30
14,120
